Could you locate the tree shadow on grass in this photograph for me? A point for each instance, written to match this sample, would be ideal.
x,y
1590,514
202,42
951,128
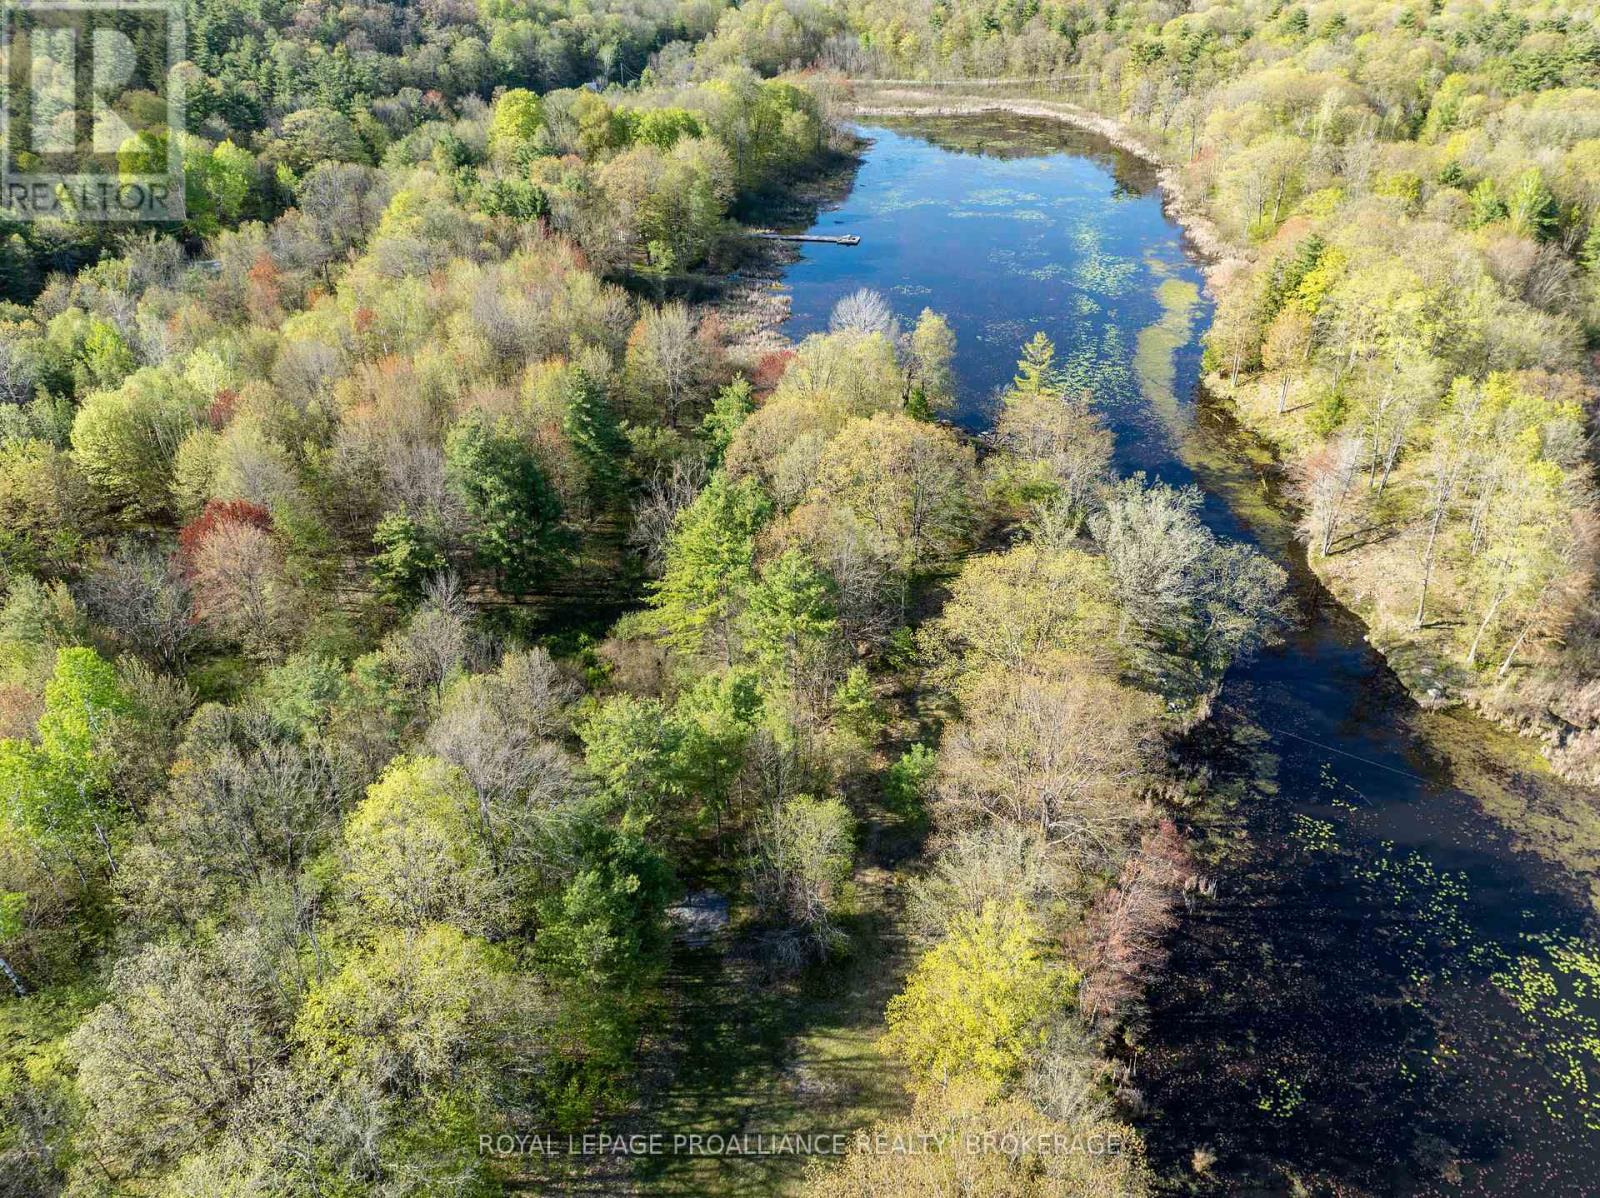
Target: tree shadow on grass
x,y
740,1052
754,1056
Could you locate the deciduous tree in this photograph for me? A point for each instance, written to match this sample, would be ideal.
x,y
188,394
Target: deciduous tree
x,y
974,1007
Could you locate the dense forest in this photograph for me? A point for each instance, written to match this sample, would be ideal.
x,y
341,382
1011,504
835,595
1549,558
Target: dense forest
x,y
418,574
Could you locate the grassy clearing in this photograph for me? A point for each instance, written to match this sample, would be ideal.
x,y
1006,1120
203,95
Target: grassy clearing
x,y
739,1052
752,1058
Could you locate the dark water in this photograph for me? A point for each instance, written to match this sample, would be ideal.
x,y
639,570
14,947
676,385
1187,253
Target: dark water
x,y
1386,996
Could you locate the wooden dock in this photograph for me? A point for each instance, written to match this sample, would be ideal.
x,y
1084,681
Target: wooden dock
x,y
845,239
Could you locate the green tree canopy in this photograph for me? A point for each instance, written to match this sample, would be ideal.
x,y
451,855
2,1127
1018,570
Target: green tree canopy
x,y
58,791
516,515
710,561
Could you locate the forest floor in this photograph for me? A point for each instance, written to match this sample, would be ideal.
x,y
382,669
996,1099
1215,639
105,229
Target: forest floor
x,y
750,1054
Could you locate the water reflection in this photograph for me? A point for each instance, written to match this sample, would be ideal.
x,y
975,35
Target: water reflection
x,y
1387,996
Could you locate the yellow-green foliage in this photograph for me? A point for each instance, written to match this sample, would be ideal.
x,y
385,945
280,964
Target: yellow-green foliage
x,y
957,1141
974,1006
516,120
125,440
1009,611
422,1009
416,853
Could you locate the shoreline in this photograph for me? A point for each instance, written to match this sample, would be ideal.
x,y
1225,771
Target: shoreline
x,y
750,298
1219,820
1219,258
1219,255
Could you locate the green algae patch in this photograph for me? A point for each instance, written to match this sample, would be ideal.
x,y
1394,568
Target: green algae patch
x,y
1153,361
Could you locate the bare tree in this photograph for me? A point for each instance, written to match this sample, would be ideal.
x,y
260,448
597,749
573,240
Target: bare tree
x,y
800,860
17,373
666,360
252,798
1326,477
439,642
1001,863
1451,453
241,589
1156,550
863,311
667,493
1060,753
499,729
140,596
165,1062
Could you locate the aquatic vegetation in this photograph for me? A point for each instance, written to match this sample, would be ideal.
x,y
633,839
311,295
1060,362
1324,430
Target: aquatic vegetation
x,y
1312,834
1005,332
890,203
1106,275
1284,1097
1002,197
1548,979
1157,343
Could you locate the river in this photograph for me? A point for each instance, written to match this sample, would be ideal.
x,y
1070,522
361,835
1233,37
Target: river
x,y
1387,995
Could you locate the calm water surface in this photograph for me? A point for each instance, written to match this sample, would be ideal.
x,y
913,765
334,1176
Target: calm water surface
x,y
1386,997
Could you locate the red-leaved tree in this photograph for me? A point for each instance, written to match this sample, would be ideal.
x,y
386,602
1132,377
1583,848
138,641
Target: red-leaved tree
x,y
217,513
1129,925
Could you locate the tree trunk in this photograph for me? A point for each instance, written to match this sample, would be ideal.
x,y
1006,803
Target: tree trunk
x,y
725,635
1427,565
1480,513
1333,520
1515,645
1283,392
11,975
1488,618
1389,460
105,844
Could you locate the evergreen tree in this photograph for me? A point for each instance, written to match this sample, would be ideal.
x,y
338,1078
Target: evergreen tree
x,y
729,410
591,426
1591,246
710,563
408,555
1037,372
1531,207
789,620
516,514
602,943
